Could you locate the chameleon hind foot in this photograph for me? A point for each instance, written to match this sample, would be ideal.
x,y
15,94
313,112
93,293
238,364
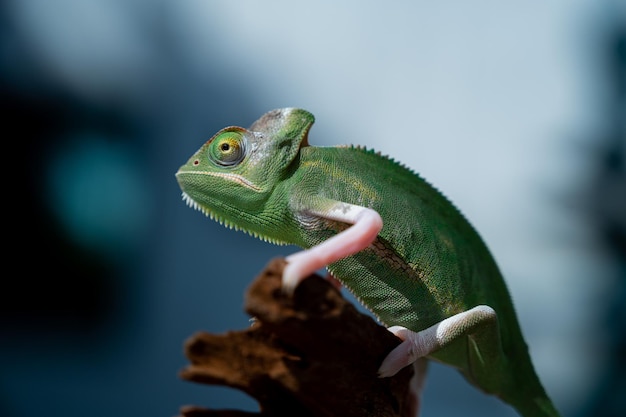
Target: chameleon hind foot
x,y
479,322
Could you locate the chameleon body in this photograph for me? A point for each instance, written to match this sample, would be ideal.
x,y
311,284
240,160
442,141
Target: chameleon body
x,y
426,271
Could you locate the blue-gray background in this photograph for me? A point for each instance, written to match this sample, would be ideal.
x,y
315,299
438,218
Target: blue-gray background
x,y
515,110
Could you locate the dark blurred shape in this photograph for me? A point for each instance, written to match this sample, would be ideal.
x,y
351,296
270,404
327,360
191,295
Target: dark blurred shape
x,y
606,206
49,280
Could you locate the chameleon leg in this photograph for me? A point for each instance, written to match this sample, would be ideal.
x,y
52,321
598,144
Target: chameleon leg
x,y
478,326
366,223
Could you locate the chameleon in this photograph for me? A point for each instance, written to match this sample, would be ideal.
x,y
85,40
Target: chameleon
x,y
391,238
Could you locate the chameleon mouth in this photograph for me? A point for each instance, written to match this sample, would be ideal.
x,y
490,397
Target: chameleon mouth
x,y
228,176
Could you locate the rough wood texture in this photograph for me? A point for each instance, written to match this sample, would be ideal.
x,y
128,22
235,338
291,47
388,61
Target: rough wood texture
x,y
312,354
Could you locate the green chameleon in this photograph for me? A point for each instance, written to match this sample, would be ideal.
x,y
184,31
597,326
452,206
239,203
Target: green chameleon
x,y
392,239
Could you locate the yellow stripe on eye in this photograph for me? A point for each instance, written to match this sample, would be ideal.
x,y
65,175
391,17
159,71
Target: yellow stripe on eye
x,y
228,149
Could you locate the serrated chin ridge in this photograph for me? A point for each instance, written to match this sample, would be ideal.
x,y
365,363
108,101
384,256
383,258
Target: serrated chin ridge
x,y
197,206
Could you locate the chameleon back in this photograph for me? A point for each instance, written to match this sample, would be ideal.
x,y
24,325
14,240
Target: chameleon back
x,y
428,262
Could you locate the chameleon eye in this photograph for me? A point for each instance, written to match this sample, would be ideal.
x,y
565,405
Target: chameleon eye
x,y
228,149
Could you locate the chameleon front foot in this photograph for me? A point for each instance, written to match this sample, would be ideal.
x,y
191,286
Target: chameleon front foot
x,y
365,225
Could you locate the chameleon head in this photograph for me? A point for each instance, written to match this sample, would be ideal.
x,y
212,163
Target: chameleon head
x,y
233,174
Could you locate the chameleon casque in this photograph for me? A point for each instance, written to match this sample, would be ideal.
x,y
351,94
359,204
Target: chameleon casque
x,y
399,245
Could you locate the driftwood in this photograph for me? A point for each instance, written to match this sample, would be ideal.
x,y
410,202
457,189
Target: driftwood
x,y
312,354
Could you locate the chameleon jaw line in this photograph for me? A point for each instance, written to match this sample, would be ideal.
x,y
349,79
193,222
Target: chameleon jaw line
x,y
230,177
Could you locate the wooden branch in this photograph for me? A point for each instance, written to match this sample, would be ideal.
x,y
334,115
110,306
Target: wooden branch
x,y
312,354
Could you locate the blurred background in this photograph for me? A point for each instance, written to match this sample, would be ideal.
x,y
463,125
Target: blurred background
x,y
516,111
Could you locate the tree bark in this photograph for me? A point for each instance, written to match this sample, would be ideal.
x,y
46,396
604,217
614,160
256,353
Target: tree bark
x,y
312,354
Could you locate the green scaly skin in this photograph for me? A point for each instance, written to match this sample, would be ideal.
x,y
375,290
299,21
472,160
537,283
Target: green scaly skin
x,y
427,264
